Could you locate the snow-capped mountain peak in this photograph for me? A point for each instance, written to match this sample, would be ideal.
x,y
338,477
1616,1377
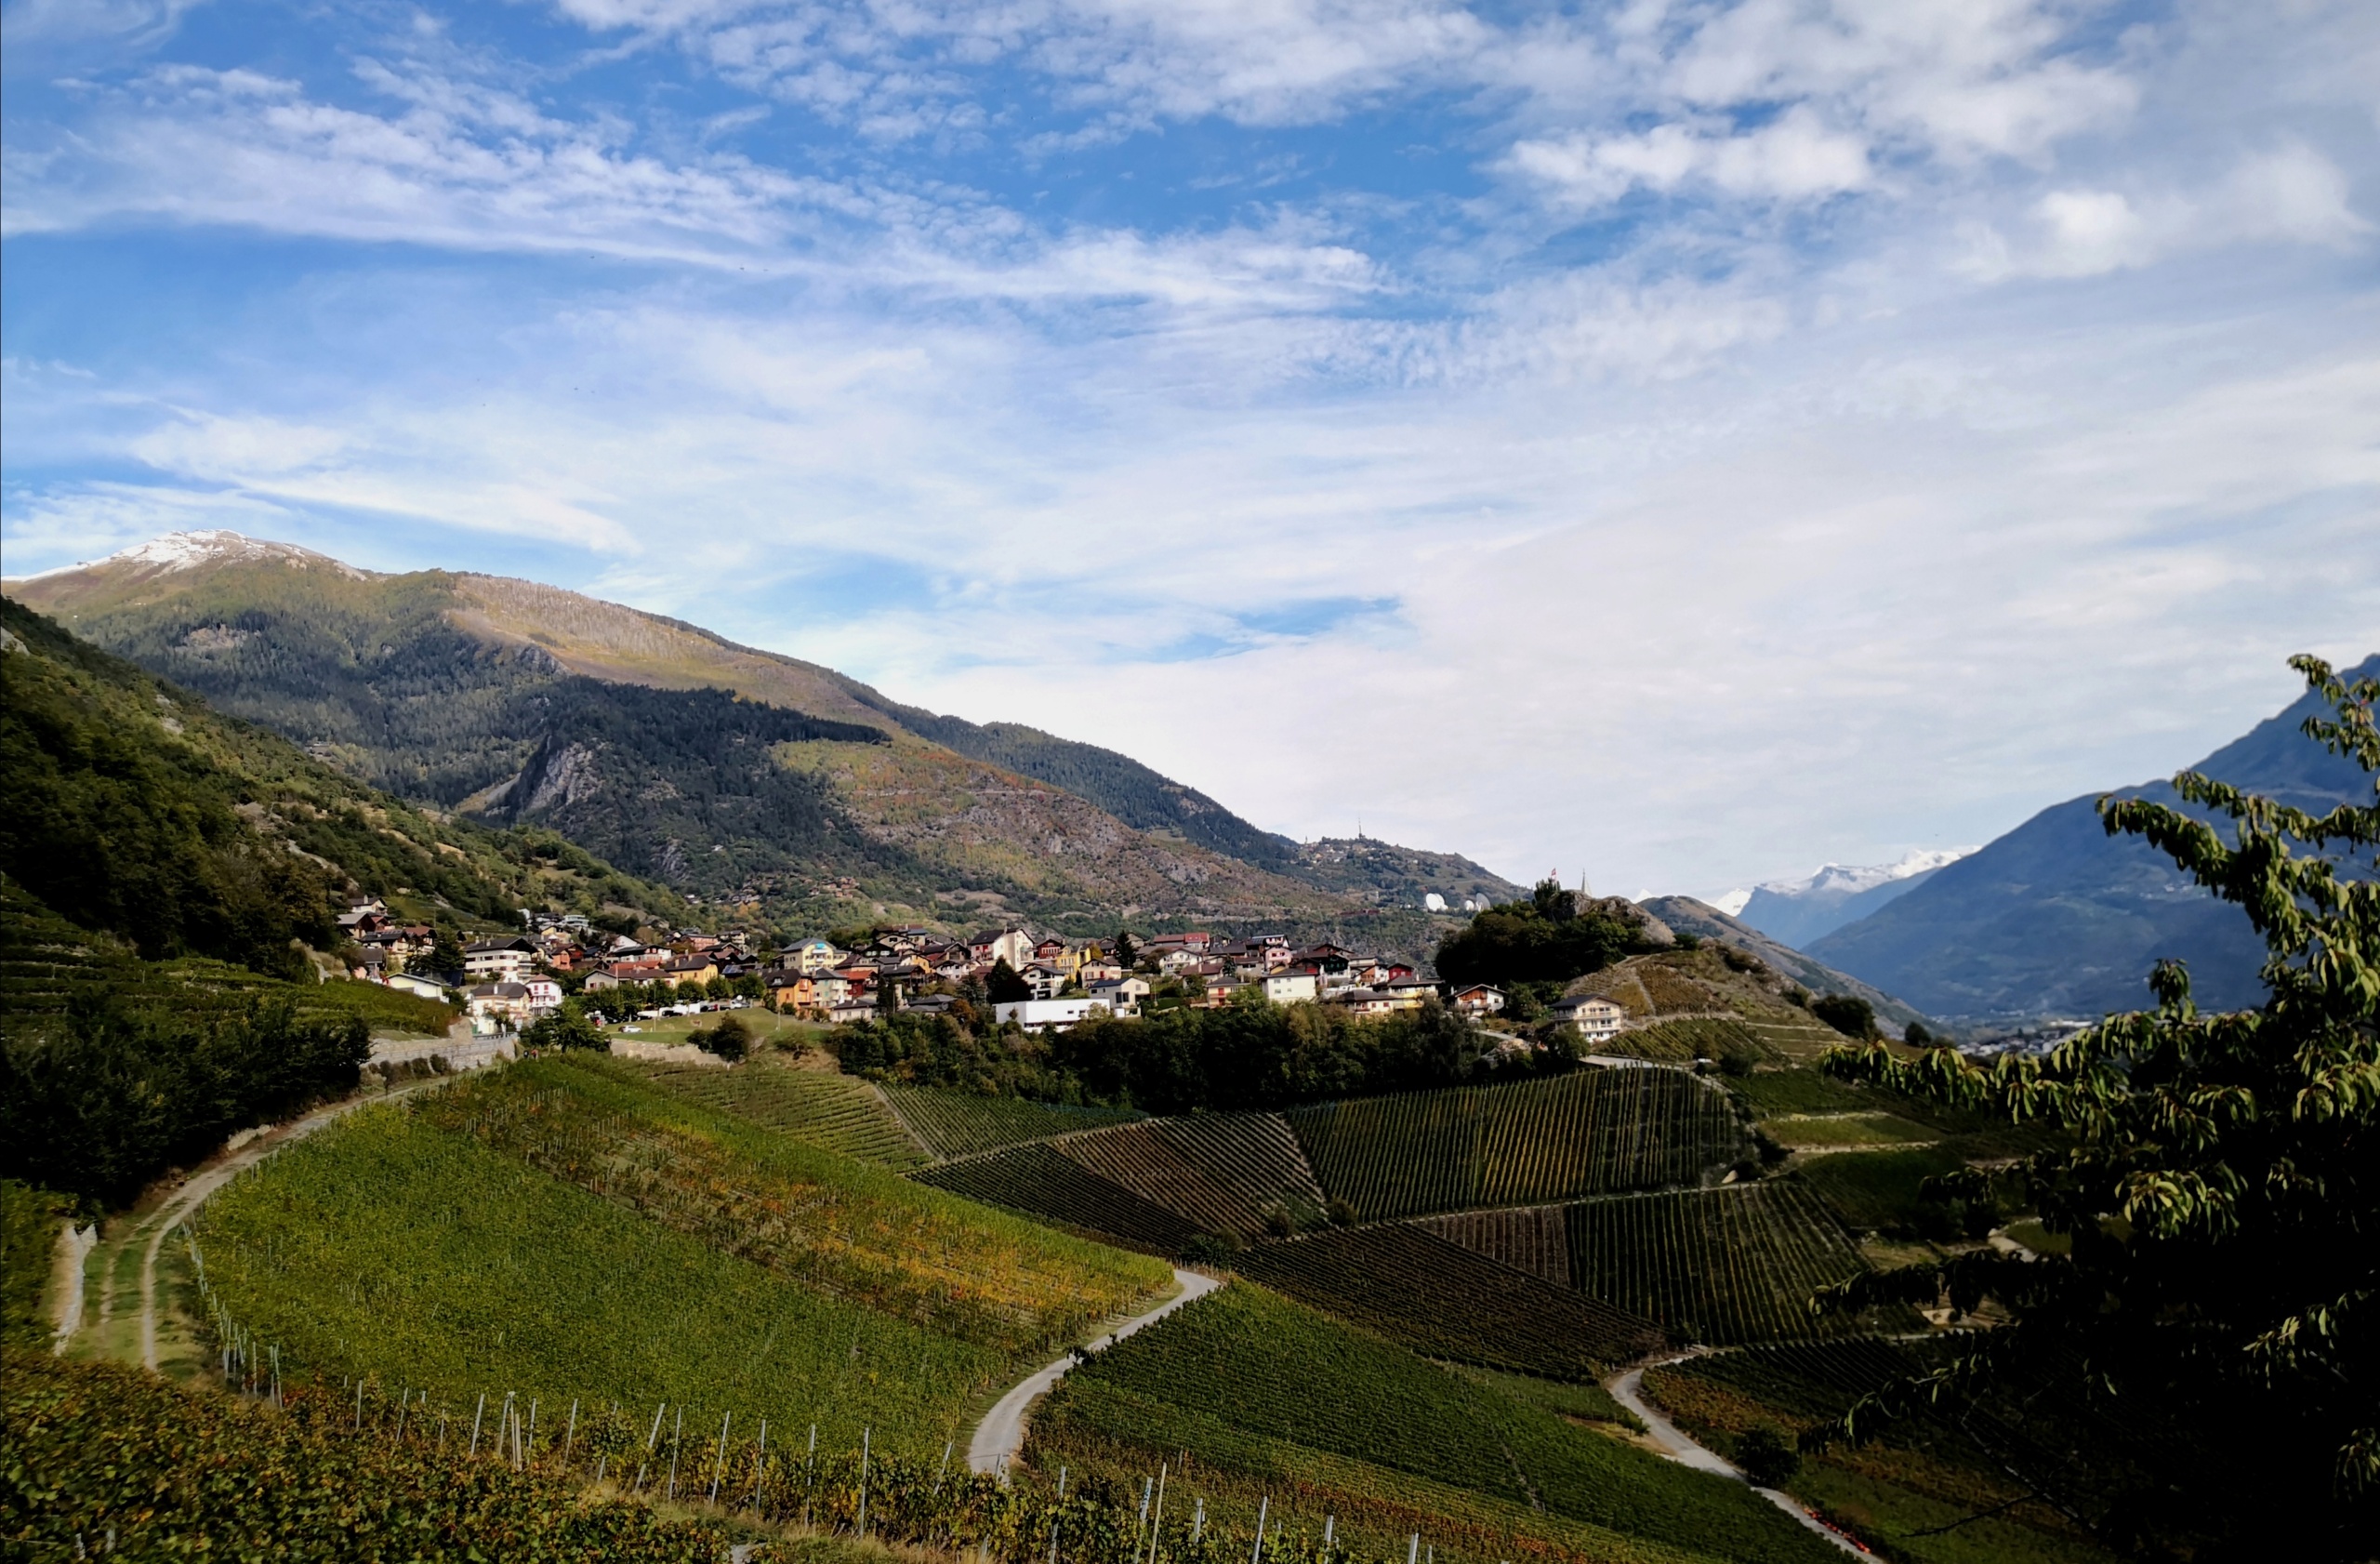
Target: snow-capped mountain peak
x,y
1844,880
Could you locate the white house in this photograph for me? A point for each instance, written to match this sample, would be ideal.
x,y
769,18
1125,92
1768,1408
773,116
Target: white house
x,y
1478,999
1054,1015
1012,945
816,955
1596,1019
414,984
1284,988
1121,995
500,1006
500,960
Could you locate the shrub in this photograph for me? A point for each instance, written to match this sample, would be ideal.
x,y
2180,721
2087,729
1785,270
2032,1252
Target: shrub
x,y
1847,1013
1766,1459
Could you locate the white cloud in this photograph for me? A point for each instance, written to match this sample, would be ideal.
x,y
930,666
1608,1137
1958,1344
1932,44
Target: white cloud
x,y
2292,195
1793,158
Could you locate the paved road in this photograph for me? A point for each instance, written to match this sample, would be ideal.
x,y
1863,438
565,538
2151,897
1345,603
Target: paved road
x,y
1628,1390
1002,1433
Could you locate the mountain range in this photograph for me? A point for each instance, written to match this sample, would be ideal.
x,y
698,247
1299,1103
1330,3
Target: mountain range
x,y
2059,918
1797,911
741,777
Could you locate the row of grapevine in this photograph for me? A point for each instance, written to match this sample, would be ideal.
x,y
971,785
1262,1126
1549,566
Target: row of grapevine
x,y
1036,1180
855,1231
964,1123
1730,1264
838,1112
1592,1131
1228,1172
1533,1239
1445,1301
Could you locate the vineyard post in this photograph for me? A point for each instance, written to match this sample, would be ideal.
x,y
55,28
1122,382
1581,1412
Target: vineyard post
x,y
1413,1549
442,1426
1330,1523
359,1406
864,1437
570,1434
1157,1516
649,1439
518,1458
1258,1556
532,1425
1140,1523
809,1473
405,1405
476,1412
677,1438
719,1458
761,1469
1197,1522
940,1471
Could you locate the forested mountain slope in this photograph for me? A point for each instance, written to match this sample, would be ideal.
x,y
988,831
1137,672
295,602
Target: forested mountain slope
x,y
533,705
2057,918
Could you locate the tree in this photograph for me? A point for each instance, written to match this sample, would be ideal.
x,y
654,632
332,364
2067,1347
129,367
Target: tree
x,y
1765,1458
1915,1035
1127,951
2216,1178
445,953
1004,987
731,1040
567,1028
1847,1013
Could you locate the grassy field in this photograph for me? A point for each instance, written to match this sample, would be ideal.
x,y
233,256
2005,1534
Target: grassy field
x,y
1808,1132
1874,1190
838,1112
1251,1385
1445,1301
1730,1264
768,1029
1682,1042
963,1124
1593,1131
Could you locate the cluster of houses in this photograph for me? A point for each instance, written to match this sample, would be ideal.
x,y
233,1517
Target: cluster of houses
x,y
509,982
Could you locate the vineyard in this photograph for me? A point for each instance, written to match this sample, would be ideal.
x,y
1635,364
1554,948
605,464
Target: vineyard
x,y
1593,1131
835,1112
857,1232
1224,1172
130,1463
1445,1301
1533,1239
1732,1265
1803,1091
1879,1189
1248,1383
389,1248
1035,1179
963,1124
1682,1042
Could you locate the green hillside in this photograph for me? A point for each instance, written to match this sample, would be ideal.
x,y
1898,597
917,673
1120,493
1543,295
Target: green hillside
x,y
559,1231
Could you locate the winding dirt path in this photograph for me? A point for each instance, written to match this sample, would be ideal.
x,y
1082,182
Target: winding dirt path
x,y
1628,1389
1001,1433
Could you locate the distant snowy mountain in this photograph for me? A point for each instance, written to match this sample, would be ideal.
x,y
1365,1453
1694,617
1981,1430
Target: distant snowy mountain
x,y
1732,903
1797,911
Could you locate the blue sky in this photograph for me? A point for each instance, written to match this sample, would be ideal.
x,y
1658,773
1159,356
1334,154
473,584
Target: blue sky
x,y
1677,443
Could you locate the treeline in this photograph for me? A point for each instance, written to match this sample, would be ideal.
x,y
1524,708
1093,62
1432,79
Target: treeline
x,y
99,1102
1240,1057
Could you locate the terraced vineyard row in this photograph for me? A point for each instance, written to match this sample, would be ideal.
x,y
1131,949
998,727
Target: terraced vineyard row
x,y
838,1112
1682,1042
963,1124
1721,1265
1533,1239
1036,1180
1594,1132
1228,1172
1445,1301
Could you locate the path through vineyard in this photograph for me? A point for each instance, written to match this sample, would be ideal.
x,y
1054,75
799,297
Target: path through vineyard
x,y
151,1231
1628,1389
1001,1433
